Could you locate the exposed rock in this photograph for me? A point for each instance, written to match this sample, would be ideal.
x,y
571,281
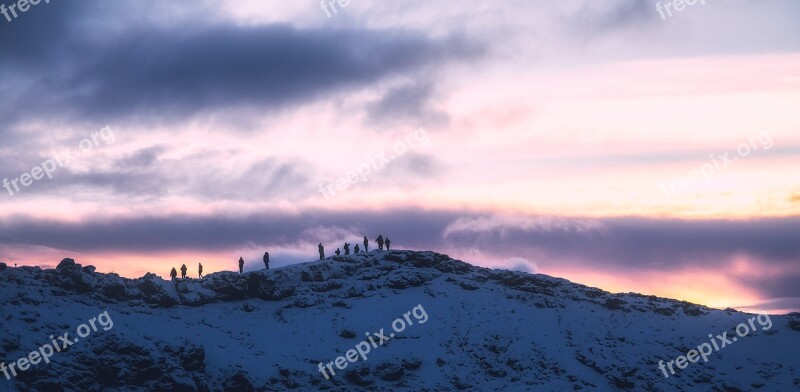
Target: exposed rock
x,y
229,285
65,263
389,372
238,382
155,291
794,321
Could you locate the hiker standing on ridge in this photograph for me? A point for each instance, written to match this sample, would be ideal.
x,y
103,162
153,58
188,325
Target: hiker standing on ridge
x,y
241,265
346,249
337,252
379,240
357,249
200,270
183,271
173,274
388,242
366,244
321,251
266,260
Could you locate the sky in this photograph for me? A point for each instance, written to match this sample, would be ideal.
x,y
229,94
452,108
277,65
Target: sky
x,y
634,146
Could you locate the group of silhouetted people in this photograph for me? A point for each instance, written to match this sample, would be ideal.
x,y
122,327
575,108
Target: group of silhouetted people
x,y
174,274
380,241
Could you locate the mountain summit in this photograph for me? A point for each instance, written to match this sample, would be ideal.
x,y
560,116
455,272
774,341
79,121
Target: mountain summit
x,y
382,321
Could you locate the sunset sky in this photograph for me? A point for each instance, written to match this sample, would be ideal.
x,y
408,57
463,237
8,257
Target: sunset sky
x,y
588,140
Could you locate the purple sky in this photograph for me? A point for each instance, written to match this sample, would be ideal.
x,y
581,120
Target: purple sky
x,y
604,142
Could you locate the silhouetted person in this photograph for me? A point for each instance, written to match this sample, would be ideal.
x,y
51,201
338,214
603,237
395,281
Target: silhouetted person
x,y
183,271
388,243
357,249
379,240
173,274
337,252
241,265
266,260
321,251
366,244
346,249
200,270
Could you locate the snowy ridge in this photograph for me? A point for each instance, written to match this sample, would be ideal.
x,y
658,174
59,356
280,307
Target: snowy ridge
x,y
269,330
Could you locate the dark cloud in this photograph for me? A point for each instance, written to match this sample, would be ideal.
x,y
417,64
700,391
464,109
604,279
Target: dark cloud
x,y
640,243
89,70
618,244
154,234
138,177
410,104
415,165
141,159
606,17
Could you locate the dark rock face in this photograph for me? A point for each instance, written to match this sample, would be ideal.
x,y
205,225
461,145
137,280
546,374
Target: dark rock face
x,y
229,285
614,303
794,321
389,372
72,277
110,362
3,267
66,263
113,287
316,273
271,286
153,291
238,383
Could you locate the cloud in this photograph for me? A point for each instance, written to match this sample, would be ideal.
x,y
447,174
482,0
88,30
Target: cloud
x,y
414,165
522,264
502,226
624,245
141,159
604,17
411,103
157,72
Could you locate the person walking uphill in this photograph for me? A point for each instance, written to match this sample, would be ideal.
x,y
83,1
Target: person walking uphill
x,y
379,240
200,270
366,244
346,249
266,260
183,271
321,251
388,243
173,274
241,265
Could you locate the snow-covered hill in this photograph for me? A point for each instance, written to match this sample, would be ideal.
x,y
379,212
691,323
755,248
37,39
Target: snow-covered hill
x,y
463,328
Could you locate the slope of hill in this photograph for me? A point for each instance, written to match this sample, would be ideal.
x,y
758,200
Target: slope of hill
x,y
400,320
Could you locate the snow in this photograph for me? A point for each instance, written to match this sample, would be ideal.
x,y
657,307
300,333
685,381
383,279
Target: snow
x,y
486,330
